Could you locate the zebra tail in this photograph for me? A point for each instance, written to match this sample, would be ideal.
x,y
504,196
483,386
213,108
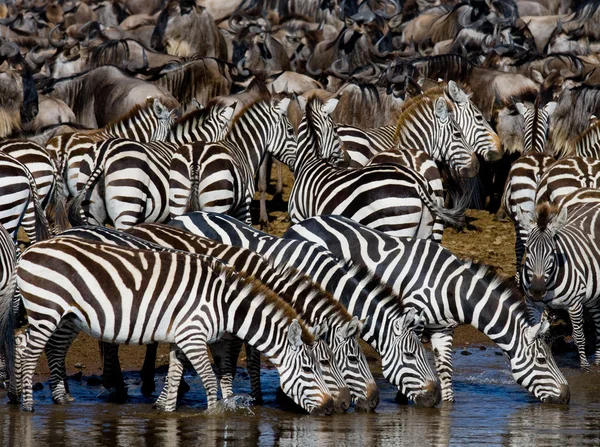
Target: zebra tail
x,y
193,203
8,326
58,204
42,227
452,216
75,212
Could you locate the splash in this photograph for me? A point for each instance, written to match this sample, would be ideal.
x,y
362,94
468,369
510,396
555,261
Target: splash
x,y
240,403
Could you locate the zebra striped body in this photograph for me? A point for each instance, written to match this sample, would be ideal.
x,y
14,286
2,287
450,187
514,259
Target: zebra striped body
x,y
314,305
390,198
219,177
588,143
143,124
19,202
385,326
565,176
48,183
8,265
128,296
526,173
562,265
363,144
448,292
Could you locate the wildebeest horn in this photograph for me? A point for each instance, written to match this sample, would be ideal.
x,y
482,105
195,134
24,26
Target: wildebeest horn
x,y
9,49
546,68
73,8
9,20
235,23
57,43
310,71
397,9
240,67
34,57
335,71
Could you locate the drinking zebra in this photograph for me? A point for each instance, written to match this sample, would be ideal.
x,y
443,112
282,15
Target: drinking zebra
x,y
314,305
220,176
526,173
386,327
391,198
561,268
128,296
449,292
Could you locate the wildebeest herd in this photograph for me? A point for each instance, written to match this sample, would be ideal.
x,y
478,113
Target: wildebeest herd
x,y
150,126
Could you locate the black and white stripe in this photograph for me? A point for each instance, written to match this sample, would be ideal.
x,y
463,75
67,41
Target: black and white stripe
x,y
448,292
386,327
565,176
390,197
127,296
219,177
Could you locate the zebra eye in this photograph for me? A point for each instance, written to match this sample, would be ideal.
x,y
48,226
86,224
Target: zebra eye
x,y
324,362
541,360
353,358
409,355
307,369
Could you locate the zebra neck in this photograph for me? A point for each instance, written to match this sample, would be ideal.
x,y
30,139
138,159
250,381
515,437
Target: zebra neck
x,y
248,139
410,136
127,128
307,148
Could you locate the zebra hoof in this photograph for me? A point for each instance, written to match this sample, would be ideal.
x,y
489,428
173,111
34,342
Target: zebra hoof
x,y
27,407
585,368
13,399
148,388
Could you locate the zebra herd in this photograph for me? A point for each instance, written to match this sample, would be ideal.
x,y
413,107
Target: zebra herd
x,y
361,260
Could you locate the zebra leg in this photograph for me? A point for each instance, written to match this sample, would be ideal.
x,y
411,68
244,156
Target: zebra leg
x,y
28,222
263,181
167,401
196,350
112,378
15,388
576,315
225,353
442,351
39,334
595,312
253,366
520,237
148,369
279,190
56,352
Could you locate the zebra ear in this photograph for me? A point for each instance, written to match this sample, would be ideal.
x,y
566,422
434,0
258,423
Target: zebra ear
x,y
525,219
282,106
441,109
550,107
537,331
559,221
521,108
405,321
352,328
330,105
160,110
320,330
196,104
295,334
302,103
227,112
456,93
593,119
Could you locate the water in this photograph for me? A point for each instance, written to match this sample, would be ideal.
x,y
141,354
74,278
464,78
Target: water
x,y
490,409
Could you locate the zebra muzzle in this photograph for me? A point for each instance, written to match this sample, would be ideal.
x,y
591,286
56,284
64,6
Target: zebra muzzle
x,y
430,395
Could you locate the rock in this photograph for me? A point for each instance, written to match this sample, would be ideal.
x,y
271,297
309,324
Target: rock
x,y
79,366
38,386
77,376
94,380
465,353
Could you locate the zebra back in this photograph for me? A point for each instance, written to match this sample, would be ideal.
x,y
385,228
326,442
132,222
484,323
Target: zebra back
x,y
208,124
566,176
537,124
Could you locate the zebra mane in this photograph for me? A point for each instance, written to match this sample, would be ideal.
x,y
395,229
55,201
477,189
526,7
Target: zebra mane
x,y
447,66
419,104
260,102
256,287
359,271
197,114
493,278
135,110
591,133
544,213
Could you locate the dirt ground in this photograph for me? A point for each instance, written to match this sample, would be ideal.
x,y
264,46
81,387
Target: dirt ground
x,y
484,240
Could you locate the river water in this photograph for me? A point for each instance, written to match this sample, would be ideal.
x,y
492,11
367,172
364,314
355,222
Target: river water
x,y
490,409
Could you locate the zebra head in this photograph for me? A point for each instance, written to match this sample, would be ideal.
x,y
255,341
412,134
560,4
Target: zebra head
x,y
404,363
281,142
476,130
343,340
536,123
322,127
541,260
330,368
160,120
451,145
216,123
300,374
534,367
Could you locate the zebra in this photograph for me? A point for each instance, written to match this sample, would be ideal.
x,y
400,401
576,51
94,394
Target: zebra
x,y
48,182
561,266
588,143
136,175
220,176
127,296
362,145
566,176
314,305
449,292
386,327
148,122
19,202
9,254
391,198
526,173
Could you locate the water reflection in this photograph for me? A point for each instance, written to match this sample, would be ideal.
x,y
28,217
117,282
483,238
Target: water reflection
x,y
490,409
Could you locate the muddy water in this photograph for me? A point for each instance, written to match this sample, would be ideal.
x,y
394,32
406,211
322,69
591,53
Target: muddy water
x,y
490,409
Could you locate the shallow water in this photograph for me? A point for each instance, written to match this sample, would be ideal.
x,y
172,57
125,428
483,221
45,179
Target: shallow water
x,y
490,409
